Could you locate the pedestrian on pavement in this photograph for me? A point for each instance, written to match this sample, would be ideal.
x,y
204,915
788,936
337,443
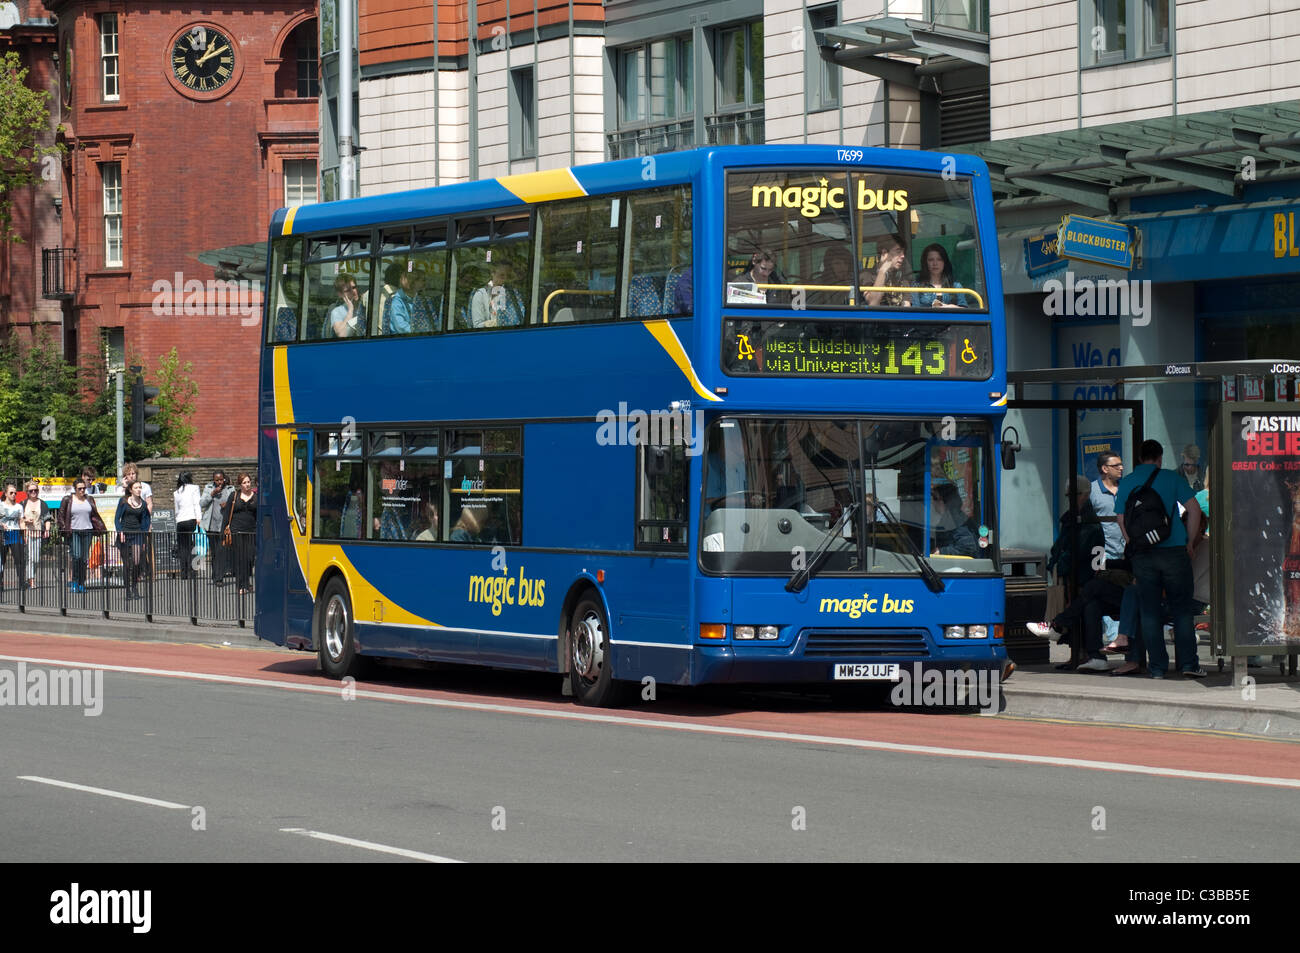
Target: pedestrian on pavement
x,y
1160,547
11,521
129,473
188,514
132,525
242,520
79,520
37,521
212,503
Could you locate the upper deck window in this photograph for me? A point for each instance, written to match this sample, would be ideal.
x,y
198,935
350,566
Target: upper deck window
x,y
833,239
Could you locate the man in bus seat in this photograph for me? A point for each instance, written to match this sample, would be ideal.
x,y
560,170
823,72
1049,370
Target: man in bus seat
x,y
952,535
837,269
889,274
466,529
406,313
497,304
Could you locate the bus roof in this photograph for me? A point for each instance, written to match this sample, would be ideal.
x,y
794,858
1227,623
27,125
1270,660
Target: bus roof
x,y
598,178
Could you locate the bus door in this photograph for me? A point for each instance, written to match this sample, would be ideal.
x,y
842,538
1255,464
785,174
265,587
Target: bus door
x,y
297,597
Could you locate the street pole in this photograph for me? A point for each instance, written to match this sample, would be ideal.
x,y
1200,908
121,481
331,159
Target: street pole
x,y
121,455
347,167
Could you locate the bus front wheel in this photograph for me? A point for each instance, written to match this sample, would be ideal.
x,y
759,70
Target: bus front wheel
x,y
591,669
336,639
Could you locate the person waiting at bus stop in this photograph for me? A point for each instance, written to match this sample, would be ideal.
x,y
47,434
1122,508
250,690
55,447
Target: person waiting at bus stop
x,y
79,520
1162,558
132,525
212,503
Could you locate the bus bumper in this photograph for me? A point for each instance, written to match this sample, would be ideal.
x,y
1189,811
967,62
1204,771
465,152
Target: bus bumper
x,y
742,664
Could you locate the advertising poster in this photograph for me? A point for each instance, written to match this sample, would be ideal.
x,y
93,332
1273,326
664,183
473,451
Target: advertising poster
x,y
1090,445
1263,473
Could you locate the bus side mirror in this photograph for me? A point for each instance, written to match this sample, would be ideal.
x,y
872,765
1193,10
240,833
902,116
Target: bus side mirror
x,y
1010,448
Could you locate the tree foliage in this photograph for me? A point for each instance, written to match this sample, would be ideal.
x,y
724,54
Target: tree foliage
x,y
55,418
23,117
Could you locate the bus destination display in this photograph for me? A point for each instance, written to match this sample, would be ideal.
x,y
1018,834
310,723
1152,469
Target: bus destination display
x,y
857,349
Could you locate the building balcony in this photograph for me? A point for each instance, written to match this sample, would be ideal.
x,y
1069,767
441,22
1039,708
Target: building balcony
x,y
58,275
652,139
736,129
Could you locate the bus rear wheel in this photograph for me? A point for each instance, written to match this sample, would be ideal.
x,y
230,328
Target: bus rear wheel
x,y
336,634
591,669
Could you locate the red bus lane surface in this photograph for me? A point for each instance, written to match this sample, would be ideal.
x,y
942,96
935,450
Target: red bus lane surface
x,y
810,722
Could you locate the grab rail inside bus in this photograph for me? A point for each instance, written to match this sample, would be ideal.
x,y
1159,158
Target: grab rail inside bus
x,y
911,289
546,305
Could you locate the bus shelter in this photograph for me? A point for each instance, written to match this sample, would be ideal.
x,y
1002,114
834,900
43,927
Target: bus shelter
x,y
1248,416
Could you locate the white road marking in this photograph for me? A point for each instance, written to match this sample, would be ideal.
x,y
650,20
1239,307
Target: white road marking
x,y
368,845
594,717
154,802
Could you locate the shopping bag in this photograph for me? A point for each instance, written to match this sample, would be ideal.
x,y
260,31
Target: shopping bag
x,y
1055,601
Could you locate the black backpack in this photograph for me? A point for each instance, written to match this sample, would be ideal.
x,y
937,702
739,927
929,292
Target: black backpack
x,y
1145,519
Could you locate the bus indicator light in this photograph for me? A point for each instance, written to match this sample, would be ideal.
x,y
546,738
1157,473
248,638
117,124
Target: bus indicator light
x,y
713,630
600,576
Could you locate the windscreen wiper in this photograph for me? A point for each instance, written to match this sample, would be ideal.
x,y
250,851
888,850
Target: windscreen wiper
x,y
801,576
932,580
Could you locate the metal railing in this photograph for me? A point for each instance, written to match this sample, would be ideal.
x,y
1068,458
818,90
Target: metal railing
x,y
56,279
651,139
156,577
736,129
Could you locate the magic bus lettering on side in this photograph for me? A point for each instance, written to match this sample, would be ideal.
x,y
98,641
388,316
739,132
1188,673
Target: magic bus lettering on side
x,y
812,200
507,590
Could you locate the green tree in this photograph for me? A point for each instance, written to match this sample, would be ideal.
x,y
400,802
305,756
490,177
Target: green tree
x,y
177,397
24,117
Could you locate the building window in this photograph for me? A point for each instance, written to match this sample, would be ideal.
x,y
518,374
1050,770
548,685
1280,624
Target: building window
x,y
108,55
111,173
305,49
740,65
523,113
114,347
299,181
1114,31
963,14
739,118
822,77
655,86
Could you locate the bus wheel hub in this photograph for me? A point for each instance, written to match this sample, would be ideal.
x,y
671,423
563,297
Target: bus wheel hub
x,y
588,650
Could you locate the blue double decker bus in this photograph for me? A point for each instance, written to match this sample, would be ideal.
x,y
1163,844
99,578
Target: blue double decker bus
x,y
725,415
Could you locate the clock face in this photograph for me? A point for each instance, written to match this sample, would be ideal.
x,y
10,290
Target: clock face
x,y
203,59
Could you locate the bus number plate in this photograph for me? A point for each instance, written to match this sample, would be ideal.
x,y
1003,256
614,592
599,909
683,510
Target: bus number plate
x,y
875,672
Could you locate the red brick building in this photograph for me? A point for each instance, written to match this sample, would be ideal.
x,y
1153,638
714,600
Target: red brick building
x,y
184,130
25,28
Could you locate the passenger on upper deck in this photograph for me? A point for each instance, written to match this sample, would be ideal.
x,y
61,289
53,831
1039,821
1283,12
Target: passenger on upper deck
x,y
837,269
497,304
936,272
345,317
889,274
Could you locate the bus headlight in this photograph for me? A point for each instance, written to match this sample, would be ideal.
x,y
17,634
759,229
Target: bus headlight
x,y
977,631
768,632
742,632
954,631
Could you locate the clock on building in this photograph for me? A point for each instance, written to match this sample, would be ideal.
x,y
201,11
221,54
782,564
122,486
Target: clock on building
x,y
205,62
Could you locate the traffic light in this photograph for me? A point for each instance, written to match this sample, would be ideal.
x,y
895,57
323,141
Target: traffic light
x,y
142,409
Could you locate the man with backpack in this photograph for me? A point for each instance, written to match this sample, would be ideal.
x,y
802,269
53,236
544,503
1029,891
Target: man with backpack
x,y
1158,544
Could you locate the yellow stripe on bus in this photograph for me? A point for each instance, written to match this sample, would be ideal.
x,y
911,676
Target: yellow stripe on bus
x,y
287,228
543,186
315,559
667,338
